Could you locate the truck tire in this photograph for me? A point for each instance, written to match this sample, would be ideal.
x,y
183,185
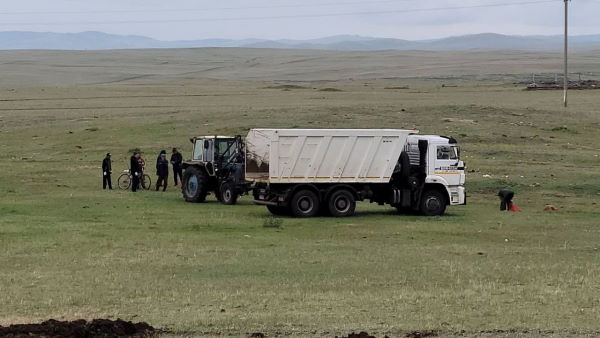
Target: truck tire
x,y
433,203
228,194
278,210
305,203
194,186
341,203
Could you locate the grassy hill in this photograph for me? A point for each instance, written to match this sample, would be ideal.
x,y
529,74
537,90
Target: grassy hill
x,y
71,250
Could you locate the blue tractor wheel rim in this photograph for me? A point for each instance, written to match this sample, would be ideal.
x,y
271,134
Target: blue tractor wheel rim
x,y
192,186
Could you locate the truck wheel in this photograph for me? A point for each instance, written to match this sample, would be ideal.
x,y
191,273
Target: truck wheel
x,y
342,204
278,210
305,203
228,194
433,203
194,186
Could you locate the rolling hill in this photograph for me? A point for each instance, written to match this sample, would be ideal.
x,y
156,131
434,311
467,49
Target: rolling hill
x,y
14,40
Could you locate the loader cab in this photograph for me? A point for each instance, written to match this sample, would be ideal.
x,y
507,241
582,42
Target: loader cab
x,y
216,167
210,149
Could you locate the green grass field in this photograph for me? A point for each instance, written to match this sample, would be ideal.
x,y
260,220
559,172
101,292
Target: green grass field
x,y
70,250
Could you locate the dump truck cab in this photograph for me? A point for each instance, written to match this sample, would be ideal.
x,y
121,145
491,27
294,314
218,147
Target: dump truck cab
x,y
216,166
444,170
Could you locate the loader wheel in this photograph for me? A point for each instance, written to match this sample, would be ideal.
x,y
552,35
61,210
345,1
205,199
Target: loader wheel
x,y
342,204
433,203
228,194
194,186
278,210
218,194
305,203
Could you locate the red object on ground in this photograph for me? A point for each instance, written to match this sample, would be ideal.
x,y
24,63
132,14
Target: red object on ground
x,y
514,208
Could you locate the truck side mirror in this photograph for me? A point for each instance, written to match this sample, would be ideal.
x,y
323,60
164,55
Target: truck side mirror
x,y
206,144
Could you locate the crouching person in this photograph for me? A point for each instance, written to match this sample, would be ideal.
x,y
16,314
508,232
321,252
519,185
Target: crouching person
x,y
506,201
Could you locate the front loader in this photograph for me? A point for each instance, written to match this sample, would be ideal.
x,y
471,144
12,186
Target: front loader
x,y
216,167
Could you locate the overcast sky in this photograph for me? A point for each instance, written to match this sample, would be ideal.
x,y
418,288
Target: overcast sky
x,y
297,19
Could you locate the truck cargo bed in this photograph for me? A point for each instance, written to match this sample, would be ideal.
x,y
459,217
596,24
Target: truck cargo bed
x,y
323,155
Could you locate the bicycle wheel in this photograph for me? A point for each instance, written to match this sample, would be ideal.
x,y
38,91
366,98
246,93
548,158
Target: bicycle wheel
x,y
146,182
124,181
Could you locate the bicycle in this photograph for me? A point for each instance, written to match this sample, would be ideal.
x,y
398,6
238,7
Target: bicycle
x,y
125,179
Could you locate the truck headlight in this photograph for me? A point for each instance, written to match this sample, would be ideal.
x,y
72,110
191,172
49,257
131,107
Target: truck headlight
x,y
454,196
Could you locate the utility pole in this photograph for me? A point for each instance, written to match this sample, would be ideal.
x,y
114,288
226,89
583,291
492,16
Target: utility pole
x,y
566,79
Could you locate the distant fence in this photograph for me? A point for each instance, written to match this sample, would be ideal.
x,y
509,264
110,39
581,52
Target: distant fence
x,y
556,81
558,78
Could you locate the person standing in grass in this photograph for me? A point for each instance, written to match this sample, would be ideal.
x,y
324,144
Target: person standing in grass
x,y
135,169
176,161
162,171
106,172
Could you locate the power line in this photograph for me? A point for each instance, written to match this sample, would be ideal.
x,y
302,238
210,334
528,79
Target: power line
x,y
177,10
276,17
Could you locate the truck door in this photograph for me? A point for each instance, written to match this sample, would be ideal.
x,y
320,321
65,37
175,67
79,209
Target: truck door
x,y
209,150
446,163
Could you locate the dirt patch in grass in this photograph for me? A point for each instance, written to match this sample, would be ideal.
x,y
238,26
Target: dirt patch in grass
x,y
78,328
421,334
510,333
288,87
358,335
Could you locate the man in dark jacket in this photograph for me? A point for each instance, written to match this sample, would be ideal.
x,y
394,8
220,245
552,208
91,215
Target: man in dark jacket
x,y
162,171
106,172
135,169
176,161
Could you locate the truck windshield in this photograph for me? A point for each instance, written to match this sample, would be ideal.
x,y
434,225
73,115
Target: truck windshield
x,y
447,153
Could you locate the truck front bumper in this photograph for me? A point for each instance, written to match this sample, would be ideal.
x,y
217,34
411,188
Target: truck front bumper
x,y
457,195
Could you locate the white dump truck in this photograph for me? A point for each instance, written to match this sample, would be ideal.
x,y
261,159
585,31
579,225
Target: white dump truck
x,y
310,172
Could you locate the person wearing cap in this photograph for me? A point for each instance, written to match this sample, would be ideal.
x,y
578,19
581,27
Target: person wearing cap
x,y
106,172
162,170
176,161
135,169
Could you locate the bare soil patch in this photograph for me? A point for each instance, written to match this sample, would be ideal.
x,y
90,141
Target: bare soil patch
x,y
79,328
358,335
